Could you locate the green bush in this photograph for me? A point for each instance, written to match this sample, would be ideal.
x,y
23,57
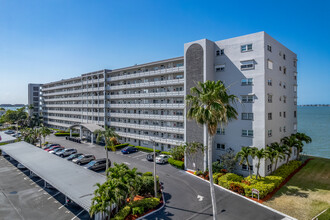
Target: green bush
x,y
177,163
138,210
147,203
165,152
58,134
217,167
146,149
120,146
216,176
123,213
147,185
228,178
178,152
147,174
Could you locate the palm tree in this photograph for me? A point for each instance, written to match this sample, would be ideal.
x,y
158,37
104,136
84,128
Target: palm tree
x,y
302,137
291,142
244,154
279,152
45,132
259,154
270,154
107,135
209,104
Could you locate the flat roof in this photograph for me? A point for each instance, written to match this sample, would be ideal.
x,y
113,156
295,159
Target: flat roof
x,y
5,138
72,180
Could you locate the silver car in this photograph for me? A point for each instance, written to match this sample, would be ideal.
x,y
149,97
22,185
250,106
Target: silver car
x,y
162,158
83,159
56,150
66,152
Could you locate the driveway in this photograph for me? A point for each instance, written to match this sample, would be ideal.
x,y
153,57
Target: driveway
x,y
186,196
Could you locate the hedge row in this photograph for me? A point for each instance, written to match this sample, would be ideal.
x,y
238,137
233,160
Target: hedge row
x,y
165,152
177,163
120,146
145,149
66,134
265,185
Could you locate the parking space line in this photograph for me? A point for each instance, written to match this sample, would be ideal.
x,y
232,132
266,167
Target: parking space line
x,y
78,214
61,206
141,155
40,190
45,193
127,163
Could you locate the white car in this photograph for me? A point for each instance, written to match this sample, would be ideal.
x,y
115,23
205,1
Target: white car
x,y
66,152
163,158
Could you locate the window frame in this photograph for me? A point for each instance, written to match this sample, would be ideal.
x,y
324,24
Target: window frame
x,y
246,47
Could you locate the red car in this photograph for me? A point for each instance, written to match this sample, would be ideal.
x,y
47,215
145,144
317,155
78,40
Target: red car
x,y
51,145
53,148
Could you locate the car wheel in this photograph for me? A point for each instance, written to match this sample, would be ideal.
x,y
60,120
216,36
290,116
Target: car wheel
x,y
79,163
62,155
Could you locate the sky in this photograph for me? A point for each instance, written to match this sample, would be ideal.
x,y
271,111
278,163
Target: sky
x,y
44,41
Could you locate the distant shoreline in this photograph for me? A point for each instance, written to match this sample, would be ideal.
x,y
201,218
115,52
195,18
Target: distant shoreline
x,y
315,105
12,105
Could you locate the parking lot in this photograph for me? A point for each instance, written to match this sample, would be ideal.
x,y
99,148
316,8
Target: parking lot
x,y
24,196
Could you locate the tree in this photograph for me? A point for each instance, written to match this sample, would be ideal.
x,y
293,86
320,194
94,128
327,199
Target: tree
x,y
244,154
291,142
302,137
228,160
45,132
270,154
259,154
278,152
178,152
107,135
209,104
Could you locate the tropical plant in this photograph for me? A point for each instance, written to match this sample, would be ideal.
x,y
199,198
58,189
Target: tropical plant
x,y
228,160
178,152
270,155
291,142
45,132
279,152
244,154
302,137
209,104
259,154
107,134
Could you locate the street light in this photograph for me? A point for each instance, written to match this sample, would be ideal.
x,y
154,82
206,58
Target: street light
x,y
155,179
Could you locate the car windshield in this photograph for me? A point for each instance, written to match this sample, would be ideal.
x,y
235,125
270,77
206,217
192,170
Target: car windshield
x,y
91,163
81,156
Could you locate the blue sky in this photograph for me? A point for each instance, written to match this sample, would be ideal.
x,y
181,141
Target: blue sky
x,y
43,41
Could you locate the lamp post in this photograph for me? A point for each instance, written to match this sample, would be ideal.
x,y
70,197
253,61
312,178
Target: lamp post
x,y
155,179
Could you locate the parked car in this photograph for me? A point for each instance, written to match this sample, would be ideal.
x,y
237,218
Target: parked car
x,y
162,158
99,164
55,150
9,132
128,150
52,147
82,159
73,156
66,152
17,135
150,157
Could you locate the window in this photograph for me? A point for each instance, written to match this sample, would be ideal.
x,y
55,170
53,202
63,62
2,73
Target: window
x,y
269,48
269,168
221,147
270,82
295,63
246,48
284,114
217,53
284,129
280,129
246,82
280,83
284,70
284,57
295,100
295,127
220,68
280,68
244,167
222,51
247,65
270,64
280,114
220,131
247,116
247,133
284,99
270,116
270,98
295,114
295,75
270,133
247,98
295,88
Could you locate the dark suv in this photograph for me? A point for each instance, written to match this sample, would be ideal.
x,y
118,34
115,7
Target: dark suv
x,y
99,164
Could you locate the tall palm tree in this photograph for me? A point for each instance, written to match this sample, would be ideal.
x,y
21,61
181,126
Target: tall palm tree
x,y
259,154
302,137
291,142
244,154
279,152
107,135
209,104
270,154
45,132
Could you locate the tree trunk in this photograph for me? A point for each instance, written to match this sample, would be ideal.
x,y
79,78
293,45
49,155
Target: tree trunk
x,y
107,162
248,165
275,163
214,201
258,166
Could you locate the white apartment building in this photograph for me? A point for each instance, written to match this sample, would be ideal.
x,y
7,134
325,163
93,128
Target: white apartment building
x,y
145,103
34,98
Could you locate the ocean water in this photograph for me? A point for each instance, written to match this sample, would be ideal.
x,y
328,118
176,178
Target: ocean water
x,y
315,122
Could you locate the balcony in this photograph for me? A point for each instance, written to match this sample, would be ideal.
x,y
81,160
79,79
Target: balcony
x,y
78,120
62,112
148,73
147,138
62,93
63,99
148,95
62,86
147,127
147,84
152,106
148,116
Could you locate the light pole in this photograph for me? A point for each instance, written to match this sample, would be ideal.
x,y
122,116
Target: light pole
x,y
155,179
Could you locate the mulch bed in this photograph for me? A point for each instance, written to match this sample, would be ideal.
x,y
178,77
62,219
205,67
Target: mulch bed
x,y
270,195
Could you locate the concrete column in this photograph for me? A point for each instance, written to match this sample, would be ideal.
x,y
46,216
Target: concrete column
x,y
80,133
70,133
92,138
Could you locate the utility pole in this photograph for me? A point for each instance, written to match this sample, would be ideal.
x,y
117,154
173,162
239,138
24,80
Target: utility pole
x,y
155,179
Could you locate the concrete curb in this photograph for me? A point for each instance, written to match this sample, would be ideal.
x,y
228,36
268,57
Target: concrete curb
x,y
150,213
264,206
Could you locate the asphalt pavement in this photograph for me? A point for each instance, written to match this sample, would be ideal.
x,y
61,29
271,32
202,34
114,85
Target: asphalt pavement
x,y
186,196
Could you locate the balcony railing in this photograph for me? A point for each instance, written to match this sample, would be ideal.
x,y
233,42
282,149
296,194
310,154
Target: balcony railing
x,y
148,116
152,106
147,84
148,95
148,127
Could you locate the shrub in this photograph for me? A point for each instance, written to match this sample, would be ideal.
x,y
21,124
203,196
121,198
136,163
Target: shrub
x,y
60,134
123,213
178,152
147,174
199,173
165,152
147,203
138,210
216,176
177,163
236,187
120,146
147,185
146,149
228,178
217,166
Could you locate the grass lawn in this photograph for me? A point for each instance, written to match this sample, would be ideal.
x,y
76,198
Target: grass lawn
x,y
307,193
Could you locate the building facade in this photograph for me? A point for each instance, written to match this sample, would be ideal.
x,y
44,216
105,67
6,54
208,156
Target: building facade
x,y
34,99
145,103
